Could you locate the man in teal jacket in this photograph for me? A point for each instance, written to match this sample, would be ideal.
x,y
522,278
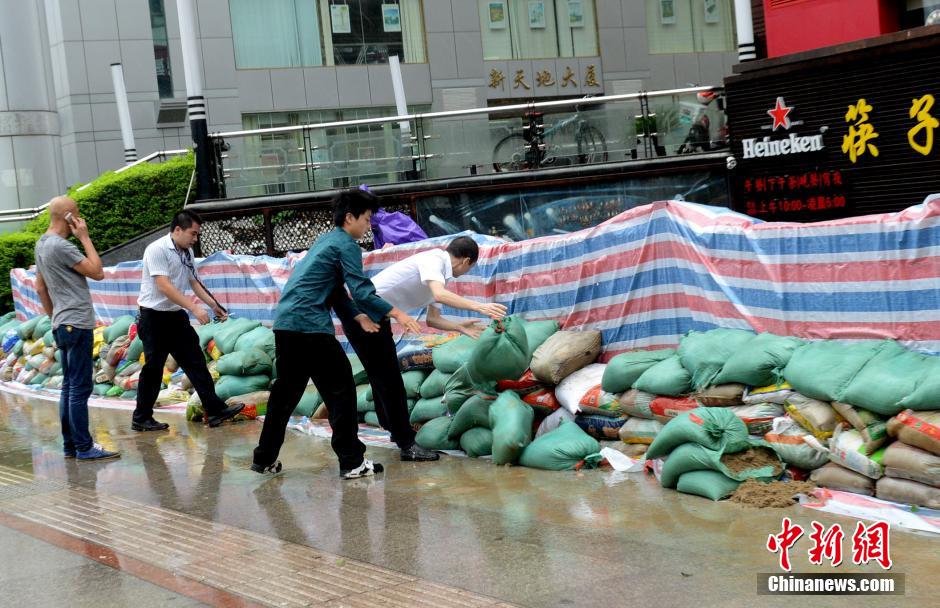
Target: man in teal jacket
x,y
305,341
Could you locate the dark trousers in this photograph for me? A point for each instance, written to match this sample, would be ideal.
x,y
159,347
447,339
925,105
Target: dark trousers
x,y
169,333
380,359
77,384
300,357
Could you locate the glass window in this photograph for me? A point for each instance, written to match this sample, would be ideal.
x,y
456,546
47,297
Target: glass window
x,y
161,49
690,26
276,33
358,32
536,29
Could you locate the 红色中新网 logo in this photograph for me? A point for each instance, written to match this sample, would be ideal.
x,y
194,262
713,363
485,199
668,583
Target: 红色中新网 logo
x,y
794,143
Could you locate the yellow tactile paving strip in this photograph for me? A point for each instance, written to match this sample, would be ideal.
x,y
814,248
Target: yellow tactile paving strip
x,y
227,558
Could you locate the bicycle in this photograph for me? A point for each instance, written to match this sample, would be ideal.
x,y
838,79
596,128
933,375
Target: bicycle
x,y
510,152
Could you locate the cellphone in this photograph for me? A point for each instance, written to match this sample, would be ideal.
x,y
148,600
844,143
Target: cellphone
x,y
68,217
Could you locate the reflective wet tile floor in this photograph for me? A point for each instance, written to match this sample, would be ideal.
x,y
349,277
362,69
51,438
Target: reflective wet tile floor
x,y
180,520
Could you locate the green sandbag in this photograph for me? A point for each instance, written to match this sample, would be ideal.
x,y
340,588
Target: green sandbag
x,y
413,381
926,395
102,389
822,370
309,402
705,353
433,385
709,484
477,442
626,368
372,419
114,391
887,379
358,370
129,395
25,329
715,428
561,449
667,377
694,457
7,317
119,328
227,336
42,326
18,348
537,332
511,423
136,349
232,386
38,379
474,412
260,337
427,409
56,369
458,388
48,339
207,332
433,435
760,362
501,353
250,362
363,403
451,355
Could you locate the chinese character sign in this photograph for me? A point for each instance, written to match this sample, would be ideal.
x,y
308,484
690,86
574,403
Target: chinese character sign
x,y
861,132
920,110
869,544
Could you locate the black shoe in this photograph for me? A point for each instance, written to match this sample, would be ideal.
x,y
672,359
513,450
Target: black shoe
x,y
419,454
220,417
366,469
149,425
274,469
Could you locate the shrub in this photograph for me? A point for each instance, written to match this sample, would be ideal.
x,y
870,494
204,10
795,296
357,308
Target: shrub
x,y
16,251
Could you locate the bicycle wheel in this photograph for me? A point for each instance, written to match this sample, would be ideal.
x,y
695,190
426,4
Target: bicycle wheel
x,y
509,154
592,148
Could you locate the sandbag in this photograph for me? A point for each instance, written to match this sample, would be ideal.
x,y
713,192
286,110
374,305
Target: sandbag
x,y
919,429
564,353
907,492
358,370
416,358
721,395
117,351
249,362
759,362
822,370
413,380
433,435
477,441
772,393
475,412
33,347
926,395
907,462
713,428
363,403
427,409
667,377
170,396
101,389
229,386
135,349
537,332
501,352
171,365
603,428
543,400
226,337
795,446
118,328
48,339
114,391
847,449
449,356
372,419
511,423
758,418
817,417
694,457
261,338
54,382
433,385
560,450
309,402
626,368
577,386
207,333
38,379
43,325
553,420
665,409
874,429
25,329
708,484
638,430
256,404
835,477
458,388
886,380
637,403
704,354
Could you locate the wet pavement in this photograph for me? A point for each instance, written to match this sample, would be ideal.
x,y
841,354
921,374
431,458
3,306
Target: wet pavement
x,y
471,532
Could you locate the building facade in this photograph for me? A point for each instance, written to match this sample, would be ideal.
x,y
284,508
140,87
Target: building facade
x,y
269,63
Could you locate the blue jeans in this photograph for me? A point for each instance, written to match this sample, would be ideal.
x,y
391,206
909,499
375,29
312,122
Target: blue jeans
x,y
77,384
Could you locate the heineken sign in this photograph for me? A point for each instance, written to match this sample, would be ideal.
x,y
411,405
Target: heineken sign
x,y
767,147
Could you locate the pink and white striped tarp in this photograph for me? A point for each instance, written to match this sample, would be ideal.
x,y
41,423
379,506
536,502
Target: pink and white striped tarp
x,y
651,274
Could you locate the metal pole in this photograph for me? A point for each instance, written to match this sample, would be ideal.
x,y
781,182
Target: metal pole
x,y
744,21
206,186
124,113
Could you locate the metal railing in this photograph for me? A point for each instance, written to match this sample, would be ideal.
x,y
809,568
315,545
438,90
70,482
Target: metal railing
x,y
439,145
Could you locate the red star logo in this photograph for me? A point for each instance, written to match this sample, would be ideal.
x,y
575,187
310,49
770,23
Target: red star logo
x,y
780,114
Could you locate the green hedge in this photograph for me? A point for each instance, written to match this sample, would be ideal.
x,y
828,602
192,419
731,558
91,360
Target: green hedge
x,y
117,208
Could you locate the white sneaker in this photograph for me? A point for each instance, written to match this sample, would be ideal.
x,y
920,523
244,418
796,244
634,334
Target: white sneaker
x,y
365,469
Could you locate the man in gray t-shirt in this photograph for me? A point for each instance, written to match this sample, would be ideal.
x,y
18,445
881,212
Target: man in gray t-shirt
x,y
61,272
